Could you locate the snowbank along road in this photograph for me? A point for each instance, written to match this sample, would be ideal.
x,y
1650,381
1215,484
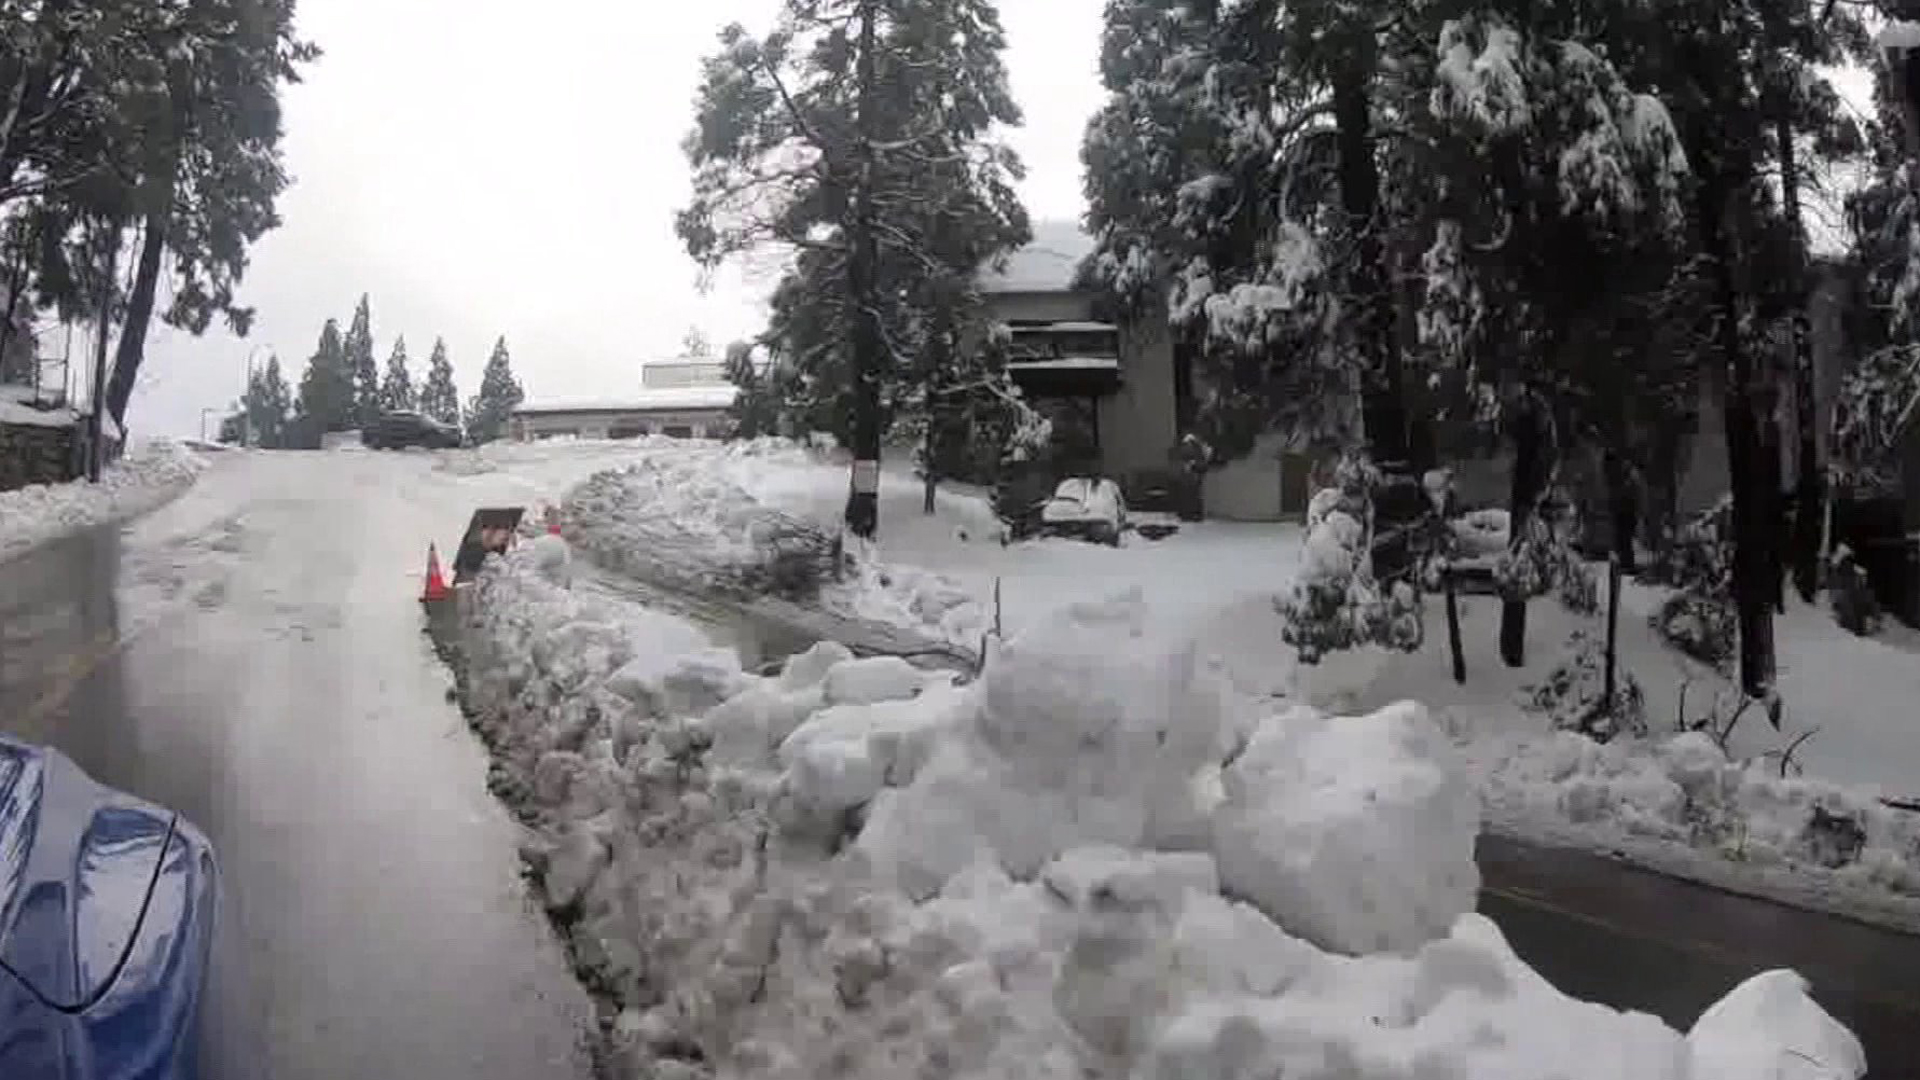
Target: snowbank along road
x,y
251,655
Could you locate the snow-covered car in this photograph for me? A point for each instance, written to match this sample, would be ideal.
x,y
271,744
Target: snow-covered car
x,y
401,429
1085,508
106,920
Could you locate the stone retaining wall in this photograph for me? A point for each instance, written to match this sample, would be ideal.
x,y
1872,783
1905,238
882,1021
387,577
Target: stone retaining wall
x,y
33,454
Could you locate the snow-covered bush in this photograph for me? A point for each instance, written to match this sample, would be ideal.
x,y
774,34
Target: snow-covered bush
x,y
1544,561
1702,627
1573,695
1855,607
1335,603
1698,617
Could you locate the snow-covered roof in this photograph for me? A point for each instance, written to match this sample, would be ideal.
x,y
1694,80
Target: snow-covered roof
x,y
677,397
1046,264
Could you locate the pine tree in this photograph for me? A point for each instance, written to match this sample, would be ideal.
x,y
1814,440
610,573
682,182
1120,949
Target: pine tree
x,y
499,395
326,390
267,405
755,411
899,102
439,397
162,120
396,390
361,366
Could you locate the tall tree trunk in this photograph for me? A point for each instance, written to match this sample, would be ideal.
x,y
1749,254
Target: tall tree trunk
x,y
109,260
1809,487
133,332
863,495
1752,602
1384,414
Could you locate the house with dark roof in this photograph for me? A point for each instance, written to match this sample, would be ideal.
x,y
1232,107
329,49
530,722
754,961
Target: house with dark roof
x,y
1106,385
1117,389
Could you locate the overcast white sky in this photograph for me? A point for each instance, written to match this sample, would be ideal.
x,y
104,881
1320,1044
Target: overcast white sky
x,y
486,167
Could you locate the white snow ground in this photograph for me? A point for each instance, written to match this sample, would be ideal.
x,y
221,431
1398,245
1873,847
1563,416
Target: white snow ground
x,y
148,476
1101,860
1677,804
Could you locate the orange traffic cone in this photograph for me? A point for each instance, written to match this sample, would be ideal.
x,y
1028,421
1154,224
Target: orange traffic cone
x,y
436,585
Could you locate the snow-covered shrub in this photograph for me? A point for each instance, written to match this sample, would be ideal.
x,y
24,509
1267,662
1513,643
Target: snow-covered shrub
x,y
1573,695
1544,561
1702,627
1335,603
1698,618
1855,607
1700,556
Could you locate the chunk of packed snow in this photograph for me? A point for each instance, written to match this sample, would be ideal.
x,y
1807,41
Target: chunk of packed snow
x,y
809,668
1768,1026
843,755
872,679
1355,833
1462,1006
679,684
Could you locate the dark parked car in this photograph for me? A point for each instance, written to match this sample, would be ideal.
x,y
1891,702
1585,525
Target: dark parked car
x,y
398,430
106,918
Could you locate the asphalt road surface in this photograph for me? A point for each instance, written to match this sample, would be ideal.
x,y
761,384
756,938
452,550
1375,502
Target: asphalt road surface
x,y
251,656
1604,931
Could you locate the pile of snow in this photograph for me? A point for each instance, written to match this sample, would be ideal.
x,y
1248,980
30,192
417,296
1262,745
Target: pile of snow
x,y
150,475
1684,791
1640,785
1094,862
686,518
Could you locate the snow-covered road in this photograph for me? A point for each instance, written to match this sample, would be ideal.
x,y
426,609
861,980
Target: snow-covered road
x,y
251,655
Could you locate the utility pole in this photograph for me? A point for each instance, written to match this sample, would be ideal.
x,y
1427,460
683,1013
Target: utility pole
x,y
108,258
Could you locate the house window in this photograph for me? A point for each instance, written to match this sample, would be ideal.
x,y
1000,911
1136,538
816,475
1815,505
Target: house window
x,y
629,430
677,431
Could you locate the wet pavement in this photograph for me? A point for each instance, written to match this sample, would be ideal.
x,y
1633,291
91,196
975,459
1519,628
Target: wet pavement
x,y
1604,931
252,659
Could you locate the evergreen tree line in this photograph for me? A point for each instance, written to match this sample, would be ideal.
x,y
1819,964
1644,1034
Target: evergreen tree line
x,y
344,389
1548,224
139,146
